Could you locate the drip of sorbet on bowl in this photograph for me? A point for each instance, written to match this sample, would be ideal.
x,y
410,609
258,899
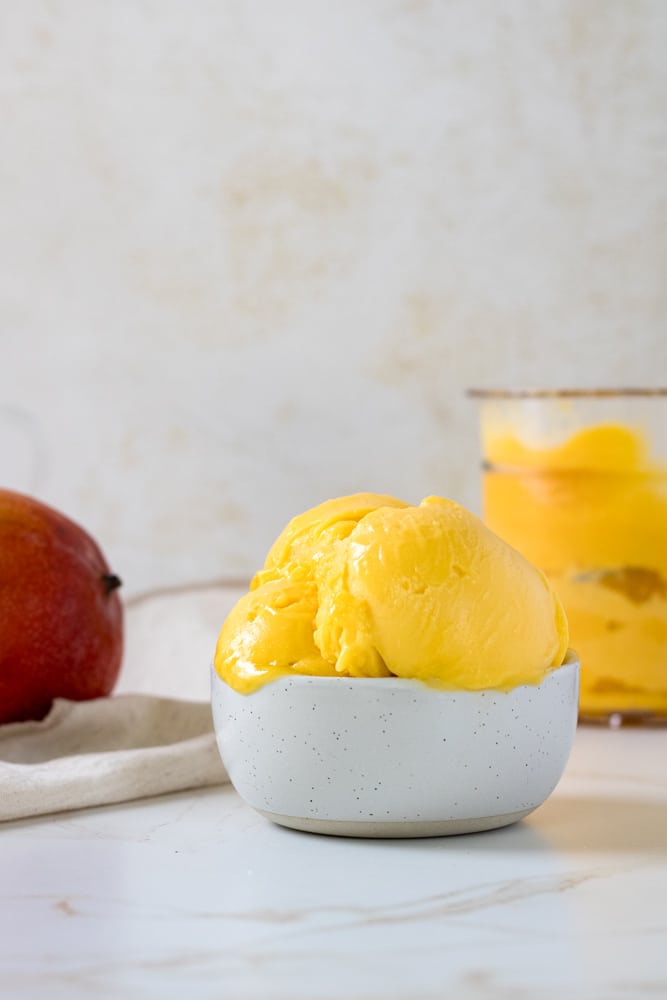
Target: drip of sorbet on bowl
x,y
370,586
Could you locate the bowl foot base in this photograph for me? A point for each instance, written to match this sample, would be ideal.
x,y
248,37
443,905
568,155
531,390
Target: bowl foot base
x,y
403,828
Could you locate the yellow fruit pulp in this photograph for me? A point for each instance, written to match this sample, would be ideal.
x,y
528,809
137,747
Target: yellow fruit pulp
x,y
592,513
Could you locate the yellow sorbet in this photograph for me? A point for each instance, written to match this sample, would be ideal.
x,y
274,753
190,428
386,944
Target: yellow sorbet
x,y
369,586
592,513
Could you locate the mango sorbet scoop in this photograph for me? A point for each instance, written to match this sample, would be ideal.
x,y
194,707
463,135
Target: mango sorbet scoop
x,y
369,586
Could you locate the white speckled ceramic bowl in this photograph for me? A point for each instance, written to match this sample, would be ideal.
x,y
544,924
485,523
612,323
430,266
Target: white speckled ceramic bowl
x,y
386,757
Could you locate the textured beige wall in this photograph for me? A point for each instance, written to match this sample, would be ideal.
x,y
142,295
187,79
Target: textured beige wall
x,y
252,253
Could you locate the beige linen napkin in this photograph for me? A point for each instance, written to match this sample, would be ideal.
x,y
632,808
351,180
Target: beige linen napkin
x,y
107,750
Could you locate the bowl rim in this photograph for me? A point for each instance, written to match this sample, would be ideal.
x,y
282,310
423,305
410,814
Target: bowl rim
x,y
571,663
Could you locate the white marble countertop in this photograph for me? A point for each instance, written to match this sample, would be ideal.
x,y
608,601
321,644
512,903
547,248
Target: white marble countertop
x,y
194,895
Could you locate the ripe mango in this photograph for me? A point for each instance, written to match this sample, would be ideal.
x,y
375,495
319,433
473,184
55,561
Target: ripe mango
x,y
61,618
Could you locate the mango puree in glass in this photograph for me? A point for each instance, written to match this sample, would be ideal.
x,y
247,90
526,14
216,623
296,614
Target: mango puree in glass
x,y
592,513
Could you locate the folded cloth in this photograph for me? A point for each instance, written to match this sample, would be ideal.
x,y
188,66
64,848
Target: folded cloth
x,y
88,753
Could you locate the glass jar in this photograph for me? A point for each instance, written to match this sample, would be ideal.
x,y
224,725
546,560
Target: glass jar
x,y
577,481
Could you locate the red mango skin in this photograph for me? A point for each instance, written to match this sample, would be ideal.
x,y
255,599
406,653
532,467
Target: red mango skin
x,y
61,618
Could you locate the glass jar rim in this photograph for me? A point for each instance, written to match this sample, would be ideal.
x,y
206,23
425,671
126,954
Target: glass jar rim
x,y
479,393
